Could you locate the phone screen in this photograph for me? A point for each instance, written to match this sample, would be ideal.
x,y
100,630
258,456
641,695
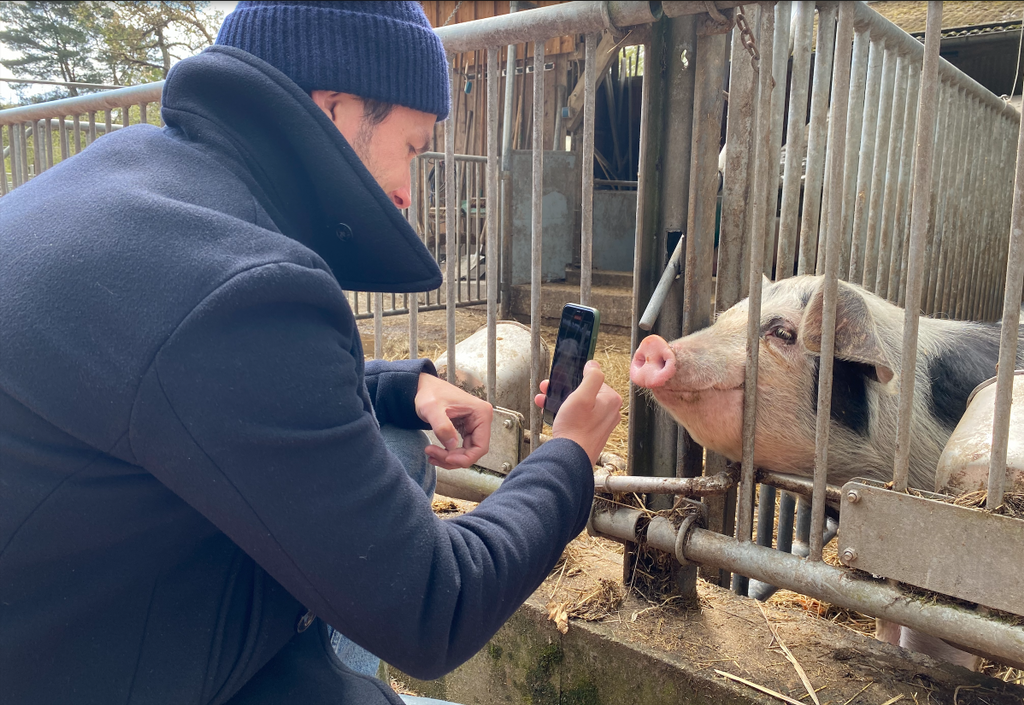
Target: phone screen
x,y
577,334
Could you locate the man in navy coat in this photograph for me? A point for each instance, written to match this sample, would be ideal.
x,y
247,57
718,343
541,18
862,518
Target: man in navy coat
x,y
193,479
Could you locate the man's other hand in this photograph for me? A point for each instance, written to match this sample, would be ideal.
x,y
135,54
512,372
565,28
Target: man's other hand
x,y
451,412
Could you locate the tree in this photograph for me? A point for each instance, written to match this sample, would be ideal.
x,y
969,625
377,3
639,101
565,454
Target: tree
x,y
54,41
140,40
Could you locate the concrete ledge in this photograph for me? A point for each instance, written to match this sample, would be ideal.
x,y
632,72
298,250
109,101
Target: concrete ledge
x,y
654,655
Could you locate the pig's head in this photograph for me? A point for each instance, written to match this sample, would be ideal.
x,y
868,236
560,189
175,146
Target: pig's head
x,y
699,378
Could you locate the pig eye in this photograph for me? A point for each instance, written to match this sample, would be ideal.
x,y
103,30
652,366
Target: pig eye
x,y
784,334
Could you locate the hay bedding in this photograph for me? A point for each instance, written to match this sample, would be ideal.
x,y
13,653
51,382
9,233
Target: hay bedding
x,y
594,605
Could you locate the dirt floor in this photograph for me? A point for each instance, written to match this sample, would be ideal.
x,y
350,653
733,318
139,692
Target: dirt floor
x,y
587,583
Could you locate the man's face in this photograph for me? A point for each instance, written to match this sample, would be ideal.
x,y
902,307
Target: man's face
x,y
386,149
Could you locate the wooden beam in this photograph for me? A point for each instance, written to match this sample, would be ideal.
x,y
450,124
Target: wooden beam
x,y
607,50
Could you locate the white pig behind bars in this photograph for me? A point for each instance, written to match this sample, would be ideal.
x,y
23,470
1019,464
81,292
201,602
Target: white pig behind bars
x,y
699,380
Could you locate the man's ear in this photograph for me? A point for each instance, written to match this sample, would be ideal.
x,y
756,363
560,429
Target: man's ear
x,y
857,334
326,101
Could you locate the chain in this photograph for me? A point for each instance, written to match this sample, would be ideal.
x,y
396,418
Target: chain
x,y
747,37
452,16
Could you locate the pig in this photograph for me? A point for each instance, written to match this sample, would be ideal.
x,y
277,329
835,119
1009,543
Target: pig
x,y
699,378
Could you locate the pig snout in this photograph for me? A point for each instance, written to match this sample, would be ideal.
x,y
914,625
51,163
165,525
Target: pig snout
x,y
654,363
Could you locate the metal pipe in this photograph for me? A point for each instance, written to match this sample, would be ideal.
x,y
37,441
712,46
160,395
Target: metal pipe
x,y
925,132
765,177
537,250
733,258
869,129
469,485
505,269
892,165
1008,339
796,133
412,300
492,224
79,105
830,285
543,23
765,515
451,205
837,586
855,121
938,182
884,129
902,210
378,325
951,201
798,485
779,68
816,139
587,167
673,269
703,486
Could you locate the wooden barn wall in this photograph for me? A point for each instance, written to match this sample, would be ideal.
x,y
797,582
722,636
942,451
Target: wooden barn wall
x,y
469,109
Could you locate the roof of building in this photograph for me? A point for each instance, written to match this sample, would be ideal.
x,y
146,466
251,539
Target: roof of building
x,y
959,18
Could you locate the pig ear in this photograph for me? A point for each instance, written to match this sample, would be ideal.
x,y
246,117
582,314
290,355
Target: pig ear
x,y
857,337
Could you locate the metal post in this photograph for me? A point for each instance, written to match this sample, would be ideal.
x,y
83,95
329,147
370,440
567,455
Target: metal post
x,y
855,121
866,160
765,178
796,132
817,139
892,166
378,325
779,68
536,272
492,223
587,167
833,247
925,132
903,209
412,299
884,130
451,237
1008,340
938,176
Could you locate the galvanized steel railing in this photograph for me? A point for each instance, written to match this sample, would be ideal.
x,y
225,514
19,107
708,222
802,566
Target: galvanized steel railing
x,y
906,189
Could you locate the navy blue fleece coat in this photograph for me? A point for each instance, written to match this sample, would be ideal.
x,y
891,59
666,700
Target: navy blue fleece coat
x,y
189,457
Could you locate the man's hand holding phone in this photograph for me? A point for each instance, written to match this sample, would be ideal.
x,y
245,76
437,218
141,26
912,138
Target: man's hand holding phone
x,y
589,414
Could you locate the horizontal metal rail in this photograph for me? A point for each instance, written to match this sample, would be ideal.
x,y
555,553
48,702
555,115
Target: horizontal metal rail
x,y
80,105
837,586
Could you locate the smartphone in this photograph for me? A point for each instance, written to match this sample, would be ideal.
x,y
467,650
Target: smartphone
x,y
577,338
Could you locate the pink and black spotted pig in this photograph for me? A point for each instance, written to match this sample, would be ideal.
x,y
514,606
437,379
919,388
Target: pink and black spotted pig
x,y
698,379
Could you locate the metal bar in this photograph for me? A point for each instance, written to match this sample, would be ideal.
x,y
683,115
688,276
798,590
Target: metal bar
x,y
13,141
83,104
1008,339
796,135
546,22
765,177
938,177
38,160
378,325
732,241
907,157
892,165
925,132
536,372
91,136
437,219
884,129
451,206
966,214
3,165
798,486
506,177
459,157
984,241
412,300
779,68
78,133
587,167
868,19
816,139
951,203
830,285
784,532
869,130
492,223
703,486
72,84
49,142
143,114
855,122
765,515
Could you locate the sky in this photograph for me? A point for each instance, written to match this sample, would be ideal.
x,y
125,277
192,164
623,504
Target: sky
x,y
9,97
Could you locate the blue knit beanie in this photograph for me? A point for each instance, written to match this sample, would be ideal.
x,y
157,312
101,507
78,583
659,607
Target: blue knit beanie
x,y
386,51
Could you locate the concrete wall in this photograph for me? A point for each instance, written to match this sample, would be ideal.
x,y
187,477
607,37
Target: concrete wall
x,y
614,219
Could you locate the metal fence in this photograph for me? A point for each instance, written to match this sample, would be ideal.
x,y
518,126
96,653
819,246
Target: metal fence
x,y
902,180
